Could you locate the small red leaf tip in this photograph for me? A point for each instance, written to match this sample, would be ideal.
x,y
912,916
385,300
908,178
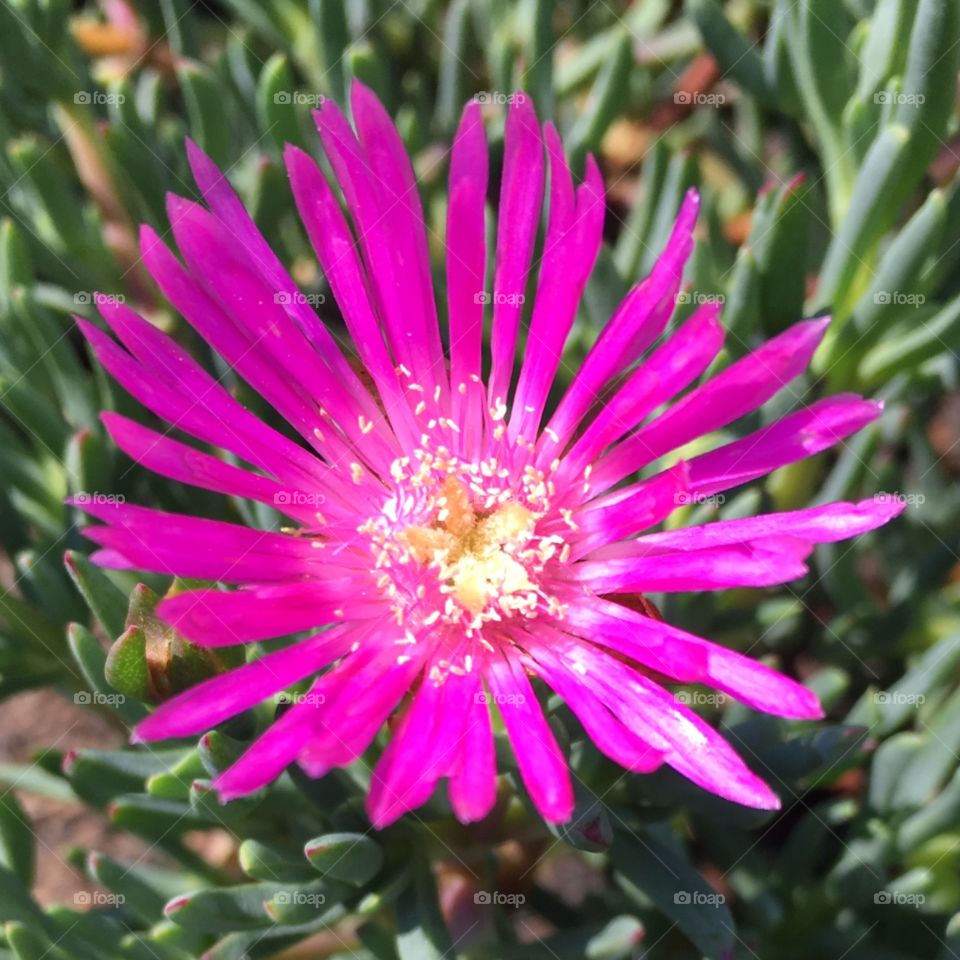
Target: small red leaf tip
x,y
177,903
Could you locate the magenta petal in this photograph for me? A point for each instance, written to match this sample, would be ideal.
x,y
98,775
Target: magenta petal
x,y
273,751
825,524
187,546
214,618
473,779
336,250
466,268
691,746
521,193
226,205
691,659
638,508
422,750
543,766
202,707
376,208
610,735
669,369
176,389
794,437
760,563
744,386
638,321
402,214
356,709
186,465
570,250
270,350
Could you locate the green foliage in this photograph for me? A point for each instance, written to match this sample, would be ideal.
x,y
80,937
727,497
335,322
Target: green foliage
x,y
822,153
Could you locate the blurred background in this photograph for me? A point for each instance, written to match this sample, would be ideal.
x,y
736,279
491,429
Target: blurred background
x,y
823,136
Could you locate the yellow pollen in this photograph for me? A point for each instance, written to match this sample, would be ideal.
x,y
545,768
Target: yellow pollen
x,y
474,552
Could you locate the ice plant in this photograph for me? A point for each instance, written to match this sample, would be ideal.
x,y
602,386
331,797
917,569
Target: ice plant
x,y
449,539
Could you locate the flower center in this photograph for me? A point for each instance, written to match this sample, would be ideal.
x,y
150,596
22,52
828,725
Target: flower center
x,y
457,544
479,558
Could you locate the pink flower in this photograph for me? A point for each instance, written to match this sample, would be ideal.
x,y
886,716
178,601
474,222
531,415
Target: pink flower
x,y
451,539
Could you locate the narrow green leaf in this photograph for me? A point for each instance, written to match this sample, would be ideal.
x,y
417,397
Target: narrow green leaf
x,y
350,857
736,55
421,931
17,839
651,862
106,601
126,666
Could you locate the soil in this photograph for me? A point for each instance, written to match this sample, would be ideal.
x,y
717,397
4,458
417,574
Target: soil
x,y
41,718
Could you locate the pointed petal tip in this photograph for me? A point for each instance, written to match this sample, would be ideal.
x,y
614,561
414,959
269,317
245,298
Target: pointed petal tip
x,y
558,811
765,799
291,153
691,201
